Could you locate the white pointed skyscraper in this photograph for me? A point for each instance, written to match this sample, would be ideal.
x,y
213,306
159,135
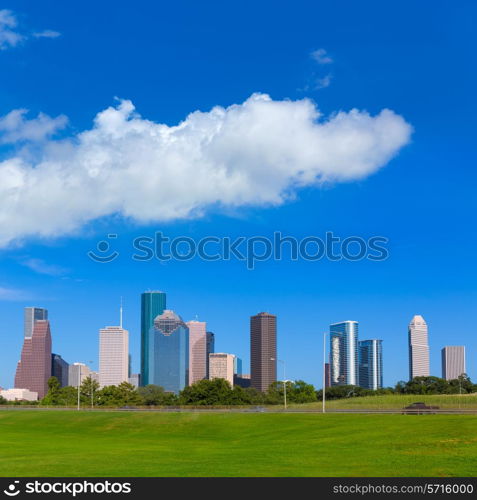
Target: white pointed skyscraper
x,y
418,348
114,353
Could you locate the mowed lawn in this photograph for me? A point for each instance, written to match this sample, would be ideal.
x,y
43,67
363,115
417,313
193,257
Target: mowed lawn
x,y
398,401
66,443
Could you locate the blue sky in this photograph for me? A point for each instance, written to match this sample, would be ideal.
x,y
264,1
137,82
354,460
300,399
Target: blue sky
x,y
416,59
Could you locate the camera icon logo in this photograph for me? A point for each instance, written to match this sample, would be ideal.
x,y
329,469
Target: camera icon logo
x,y
104,254
12,490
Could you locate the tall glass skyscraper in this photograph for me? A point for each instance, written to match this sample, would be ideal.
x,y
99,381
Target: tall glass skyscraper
x,y
153,304
168,356
344,353
371,364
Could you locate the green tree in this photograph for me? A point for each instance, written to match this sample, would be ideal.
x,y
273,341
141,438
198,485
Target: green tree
x,y
89,391
52,397
208,392
124,394
155,395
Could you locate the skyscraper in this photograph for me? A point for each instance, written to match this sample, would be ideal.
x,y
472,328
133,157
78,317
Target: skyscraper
x,y
30,315
453,361
113,355
59,369
418,348
78,373
197,351
152,305
371,364
169,352
263,350
344,353
34,367
222,366
210,348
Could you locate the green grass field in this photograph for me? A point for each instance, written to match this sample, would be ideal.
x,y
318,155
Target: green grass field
x,y
466,401
66,443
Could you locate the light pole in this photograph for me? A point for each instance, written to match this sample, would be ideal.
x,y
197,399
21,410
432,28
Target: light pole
x,y
91,384
284,382
79,384
324,372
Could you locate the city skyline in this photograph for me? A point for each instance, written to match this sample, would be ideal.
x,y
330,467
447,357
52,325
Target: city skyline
x,y
417,326
416,191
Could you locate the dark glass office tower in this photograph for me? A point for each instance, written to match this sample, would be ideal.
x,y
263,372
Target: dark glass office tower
x,y
169,352
263,350
153,304
371,364
344,367
210,347
59,369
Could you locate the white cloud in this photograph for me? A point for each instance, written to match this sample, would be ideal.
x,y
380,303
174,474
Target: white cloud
x,y
14,127
11,37
47,34
8,36
42,267
321,56
256,153
12,294
322,83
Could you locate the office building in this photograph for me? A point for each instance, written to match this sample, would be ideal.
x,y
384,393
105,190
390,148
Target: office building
x,y
59,369
210,339
327,375
242,380
34,367
135,380
453,361
344,353
113,355
263,350
30,316
237,366
78,373
169,352
370,364
19,395
153,304
418,348
221,365
197,351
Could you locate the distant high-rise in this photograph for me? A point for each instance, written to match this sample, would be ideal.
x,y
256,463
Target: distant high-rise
x,y
113,355
31,315
418,348
210,348
152,305
197,351
237,366
453,361
263,350
222,366
78,373
59,369
34,367
371,364
344,353
169,352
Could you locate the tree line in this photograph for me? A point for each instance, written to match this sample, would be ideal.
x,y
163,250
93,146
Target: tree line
x,y
219,392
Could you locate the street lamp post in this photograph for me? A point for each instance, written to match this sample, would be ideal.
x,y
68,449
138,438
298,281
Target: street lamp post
x,y
284,382
324,372
91,385
79,385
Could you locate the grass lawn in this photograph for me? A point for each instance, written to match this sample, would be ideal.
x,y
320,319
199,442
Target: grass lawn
x,y
56,443
466,401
